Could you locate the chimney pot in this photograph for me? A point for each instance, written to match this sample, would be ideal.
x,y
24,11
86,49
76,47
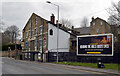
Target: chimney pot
x,y
56,21
52,18
72,27
92,18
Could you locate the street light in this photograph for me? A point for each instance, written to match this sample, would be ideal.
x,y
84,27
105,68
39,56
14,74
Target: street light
x,y
57,27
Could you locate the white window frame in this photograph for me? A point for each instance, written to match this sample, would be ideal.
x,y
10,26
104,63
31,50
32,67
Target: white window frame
x,y
93,23
30,34
41,29
40,45
26,34
97,30
35,32
36,20
101,23
30,24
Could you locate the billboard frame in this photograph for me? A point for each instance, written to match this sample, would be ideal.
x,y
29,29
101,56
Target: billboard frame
x,y
95,54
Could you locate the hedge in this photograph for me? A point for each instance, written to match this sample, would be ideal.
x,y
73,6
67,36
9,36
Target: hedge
x,y
12,46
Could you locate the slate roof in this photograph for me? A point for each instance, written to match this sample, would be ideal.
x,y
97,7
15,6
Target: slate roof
x,y
61,28
83,30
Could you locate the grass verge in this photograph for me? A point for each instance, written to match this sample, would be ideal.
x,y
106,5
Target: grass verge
x,y
92,65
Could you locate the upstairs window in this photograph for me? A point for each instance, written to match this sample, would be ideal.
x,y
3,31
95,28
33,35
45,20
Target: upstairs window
x,y
26,34
41,29
35,20
35,31
29,34
30,23
93,23
101,23
51,32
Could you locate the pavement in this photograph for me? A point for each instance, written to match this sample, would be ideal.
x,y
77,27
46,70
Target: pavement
x,y
107,71
11,66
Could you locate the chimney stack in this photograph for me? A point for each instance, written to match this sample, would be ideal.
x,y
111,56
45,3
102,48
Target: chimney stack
x,y
92,18
56,21
52,18
72,27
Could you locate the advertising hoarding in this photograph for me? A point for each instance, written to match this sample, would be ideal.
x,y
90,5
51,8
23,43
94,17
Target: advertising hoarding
x,y
95,45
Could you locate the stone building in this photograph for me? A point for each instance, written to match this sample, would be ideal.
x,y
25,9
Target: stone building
x,y
40,37
99,26
34,32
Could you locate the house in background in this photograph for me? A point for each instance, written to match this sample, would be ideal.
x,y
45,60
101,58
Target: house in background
x,y
99,26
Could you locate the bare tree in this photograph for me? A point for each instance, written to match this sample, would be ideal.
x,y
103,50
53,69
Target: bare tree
x,y
66,22
1,24
84,22
13,32
112,20
114,12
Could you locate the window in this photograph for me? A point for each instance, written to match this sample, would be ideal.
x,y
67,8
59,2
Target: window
x,y
30,23
40,45
73,43
51,32
101,23
26,44
42,21
97,30
35,20
40,42
29,44
93,23
26,34
35,31
41,29
29,34
35,42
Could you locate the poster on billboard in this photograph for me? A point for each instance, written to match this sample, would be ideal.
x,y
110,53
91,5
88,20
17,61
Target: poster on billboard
x,y
95,45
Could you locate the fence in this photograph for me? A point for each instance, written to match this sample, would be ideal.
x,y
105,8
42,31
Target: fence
x,y
72,57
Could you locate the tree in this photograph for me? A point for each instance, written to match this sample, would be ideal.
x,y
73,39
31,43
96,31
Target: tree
x,y
112,20
1,24
13,32
84,22
67,23
114,12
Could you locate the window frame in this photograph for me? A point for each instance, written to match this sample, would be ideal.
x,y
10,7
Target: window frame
x,y
51,32
97,30
101,23
26,34
36,20
93,23
41,29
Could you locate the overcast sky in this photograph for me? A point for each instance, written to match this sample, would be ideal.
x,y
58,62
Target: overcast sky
x,y
18,12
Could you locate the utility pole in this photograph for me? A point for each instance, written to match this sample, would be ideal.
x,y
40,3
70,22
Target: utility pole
x,y
57,29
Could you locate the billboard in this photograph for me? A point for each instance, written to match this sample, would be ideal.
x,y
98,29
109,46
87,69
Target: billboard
x,y
95,45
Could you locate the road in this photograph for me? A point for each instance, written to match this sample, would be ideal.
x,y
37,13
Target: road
x,y
11,66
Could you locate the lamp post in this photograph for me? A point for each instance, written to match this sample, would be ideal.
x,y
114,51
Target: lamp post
x,y
57,27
